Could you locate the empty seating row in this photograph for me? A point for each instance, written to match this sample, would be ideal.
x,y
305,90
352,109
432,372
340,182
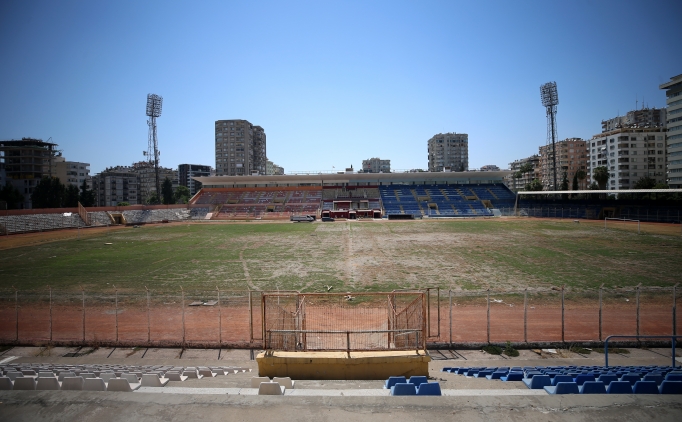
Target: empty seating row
x,y
571,379
417,385
39,222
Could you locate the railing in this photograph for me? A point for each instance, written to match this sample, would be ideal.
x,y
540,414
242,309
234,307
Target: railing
x,y
673,339
303,346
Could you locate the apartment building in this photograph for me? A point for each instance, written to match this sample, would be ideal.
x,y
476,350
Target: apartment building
x,y
519,183
72,172
376,165
26,161
673,93
186,173
115,185
645,117
448,150
571,157
273,169
147,179
629,154
240,148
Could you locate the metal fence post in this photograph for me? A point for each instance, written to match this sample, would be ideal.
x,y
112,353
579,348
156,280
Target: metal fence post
x,y
562,315
251,319
50,288
675,309
488,314
601,289
16,312
220,320
183,316
83,298
525,315
149,331
450,297
637,304
116,309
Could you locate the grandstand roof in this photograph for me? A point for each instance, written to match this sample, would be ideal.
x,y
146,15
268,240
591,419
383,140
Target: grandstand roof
x,y
470,177
610,192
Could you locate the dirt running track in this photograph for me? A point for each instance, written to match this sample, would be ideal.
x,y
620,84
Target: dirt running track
x,y
165,328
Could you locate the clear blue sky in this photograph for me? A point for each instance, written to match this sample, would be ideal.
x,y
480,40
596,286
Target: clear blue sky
x,y
331,82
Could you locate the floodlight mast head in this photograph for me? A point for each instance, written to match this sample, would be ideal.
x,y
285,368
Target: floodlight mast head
x,y
549,95
154,104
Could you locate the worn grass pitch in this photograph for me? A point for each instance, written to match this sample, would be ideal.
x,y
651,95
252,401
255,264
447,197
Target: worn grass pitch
x,y
348,256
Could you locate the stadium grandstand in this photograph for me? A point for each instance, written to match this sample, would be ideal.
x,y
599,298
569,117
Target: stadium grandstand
x,y
356,195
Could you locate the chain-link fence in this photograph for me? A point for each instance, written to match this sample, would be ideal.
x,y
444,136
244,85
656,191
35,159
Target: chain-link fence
x,y
216,318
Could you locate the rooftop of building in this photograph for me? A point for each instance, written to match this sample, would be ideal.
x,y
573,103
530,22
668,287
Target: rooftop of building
x,y
673,81
26,142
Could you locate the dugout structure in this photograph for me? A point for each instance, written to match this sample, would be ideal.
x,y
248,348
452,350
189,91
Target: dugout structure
x,y
306,322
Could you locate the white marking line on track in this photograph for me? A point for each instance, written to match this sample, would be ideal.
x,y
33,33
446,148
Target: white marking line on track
x,y
8,359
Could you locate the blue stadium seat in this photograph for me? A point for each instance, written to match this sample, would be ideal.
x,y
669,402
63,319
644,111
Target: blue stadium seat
x,y
631,378
513,376
607,378
391,381
593,387
561,378
645,387
429,389
657,378
562,388
619,387
673,377
670,387
497,375
404,389
537,382
580,379
418,379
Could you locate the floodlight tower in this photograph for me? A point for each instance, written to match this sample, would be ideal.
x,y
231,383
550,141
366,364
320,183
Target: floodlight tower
x,y
154,103
550,99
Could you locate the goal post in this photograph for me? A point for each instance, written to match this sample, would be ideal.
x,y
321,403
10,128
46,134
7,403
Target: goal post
x,y
624,220
344,322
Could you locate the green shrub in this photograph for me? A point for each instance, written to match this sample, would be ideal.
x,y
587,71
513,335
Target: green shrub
x,y
492,349
510,351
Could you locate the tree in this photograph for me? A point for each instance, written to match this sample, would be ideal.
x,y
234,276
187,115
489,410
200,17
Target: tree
x,y
581,176
645,182
167,192
124,204
71,196
153,199
575,182
11,196
181,195
564,182
534,186
601,176
48,193
87,196
526,168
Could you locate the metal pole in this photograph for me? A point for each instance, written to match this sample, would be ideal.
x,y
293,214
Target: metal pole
x,y
601,289
116,313
16,312
220,320
450,298
438,307
675,309
525,315
348,343
488,313
183,316
250,319
149,331
83,297
562,315
50,313
428,312
637,304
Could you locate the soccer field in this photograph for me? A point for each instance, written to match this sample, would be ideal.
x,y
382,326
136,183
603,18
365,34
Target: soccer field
x,y
348,256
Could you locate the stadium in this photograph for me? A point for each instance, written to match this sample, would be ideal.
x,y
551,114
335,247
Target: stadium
x,y
420,284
